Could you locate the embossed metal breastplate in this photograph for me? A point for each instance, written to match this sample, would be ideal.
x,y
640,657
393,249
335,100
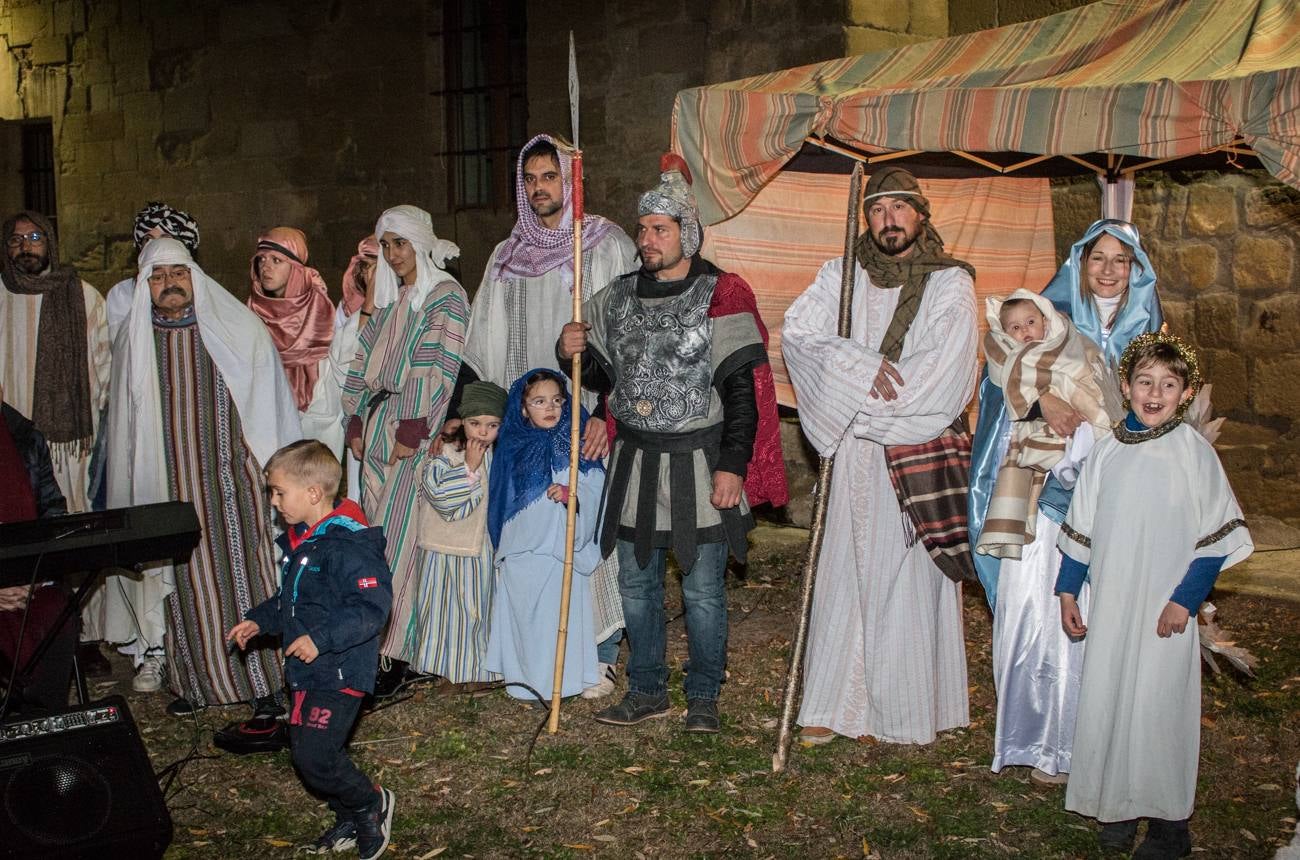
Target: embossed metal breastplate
x,y
662,356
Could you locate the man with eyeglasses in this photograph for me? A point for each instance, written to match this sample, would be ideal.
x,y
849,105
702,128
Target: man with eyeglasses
x,y
54,350
54,368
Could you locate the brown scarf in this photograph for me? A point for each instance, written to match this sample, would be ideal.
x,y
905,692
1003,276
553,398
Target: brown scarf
x,y
911,271
61,407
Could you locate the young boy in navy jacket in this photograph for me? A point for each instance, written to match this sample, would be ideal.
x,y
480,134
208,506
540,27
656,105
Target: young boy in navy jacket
x,y
334,599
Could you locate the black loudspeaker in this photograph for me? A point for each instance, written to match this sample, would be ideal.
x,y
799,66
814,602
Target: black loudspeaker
x,y
79,784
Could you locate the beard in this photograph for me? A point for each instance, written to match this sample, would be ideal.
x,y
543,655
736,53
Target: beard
x,y
894,240
31,264
545,208
658,264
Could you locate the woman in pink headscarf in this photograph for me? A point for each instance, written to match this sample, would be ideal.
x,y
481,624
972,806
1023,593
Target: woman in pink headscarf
x,y
290,297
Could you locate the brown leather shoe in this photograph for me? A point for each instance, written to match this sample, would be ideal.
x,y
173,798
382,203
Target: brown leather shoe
x,y
815,735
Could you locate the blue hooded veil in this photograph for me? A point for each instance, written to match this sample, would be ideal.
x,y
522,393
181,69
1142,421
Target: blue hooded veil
x,y
525,456
1140,314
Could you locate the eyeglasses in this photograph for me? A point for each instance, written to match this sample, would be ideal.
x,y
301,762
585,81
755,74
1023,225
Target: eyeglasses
x,y
35,237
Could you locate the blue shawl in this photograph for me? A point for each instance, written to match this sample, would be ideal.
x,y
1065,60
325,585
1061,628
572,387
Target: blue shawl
x,y
525,456
1140,314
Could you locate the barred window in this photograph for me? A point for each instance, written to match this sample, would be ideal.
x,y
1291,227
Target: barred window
x,y
38,169
486,99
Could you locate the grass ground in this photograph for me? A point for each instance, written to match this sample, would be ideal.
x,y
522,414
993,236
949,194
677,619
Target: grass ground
x,y
465,787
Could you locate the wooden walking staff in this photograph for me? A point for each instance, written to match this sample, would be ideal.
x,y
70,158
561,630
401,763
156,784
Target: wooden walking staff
x,y
575,404
794,674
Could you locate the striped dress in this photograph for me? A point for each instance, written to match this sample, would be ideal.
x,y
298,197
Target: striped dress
x,y
232,569
414,354
453,604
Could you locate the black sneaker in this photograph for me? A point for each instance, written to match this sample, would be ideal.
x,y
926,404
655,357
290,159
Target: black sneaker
x,y
1118,835
374,827
635,708
267,707
702,717
1165,840
341,837
181,707
389,680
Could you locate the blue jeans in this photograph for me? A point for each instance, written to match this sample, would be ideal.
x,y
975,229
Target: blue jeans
x,y
607,651
642,589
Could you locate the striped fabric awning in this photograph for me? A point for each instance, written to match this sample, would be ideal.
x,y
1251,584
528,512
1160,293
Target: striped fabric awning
x,y
1001,225
1154,79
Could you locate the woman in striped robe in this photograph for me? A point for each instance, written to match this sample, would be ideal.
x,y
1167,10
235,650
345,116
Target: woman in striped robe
x,y
397,391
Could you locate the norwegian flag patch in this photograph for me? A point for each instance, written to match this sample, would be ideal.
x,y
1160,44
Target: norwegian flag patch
x,y
368,582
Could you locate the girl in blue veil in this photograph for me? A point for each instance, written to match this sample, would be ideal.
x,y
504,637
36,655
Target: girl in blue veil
x,y
527,513
1035,666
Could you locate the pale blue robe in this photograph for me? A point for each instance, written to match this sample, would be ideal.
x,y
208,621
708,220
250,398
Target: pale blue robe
x,y
526,601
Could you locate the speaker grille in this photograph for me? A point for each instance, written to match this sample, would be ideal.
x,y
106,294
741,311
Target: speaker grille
x,y
39,796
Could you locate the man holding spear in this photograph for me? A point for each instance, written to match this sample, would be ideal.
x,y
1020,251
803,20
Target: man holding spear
x,y
526,297
676,346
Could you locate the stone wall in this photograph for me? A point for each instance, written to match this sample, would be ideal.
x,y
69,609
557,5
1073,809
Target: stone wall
x,y
967,16
633,57
879,26
248,115
1223,246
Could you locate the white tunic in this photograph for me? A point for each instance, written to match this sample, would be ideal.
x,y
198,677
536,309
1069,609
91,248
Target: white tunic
x,y
886,656
322,420
547,305
1139,516
20,320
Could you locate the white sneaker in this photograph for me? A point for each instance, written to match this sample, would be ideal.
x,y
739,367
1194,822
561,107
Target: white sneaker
x,y
608,682
149,677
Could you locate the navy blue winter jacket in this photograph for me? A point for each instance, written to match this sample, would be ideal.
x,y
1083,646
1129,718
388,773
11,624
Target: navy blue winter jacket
x,y
336,588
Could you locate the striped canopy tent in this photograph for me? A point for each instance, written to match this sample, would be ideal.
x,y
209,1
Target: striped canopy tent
x,y
1114,87
982,119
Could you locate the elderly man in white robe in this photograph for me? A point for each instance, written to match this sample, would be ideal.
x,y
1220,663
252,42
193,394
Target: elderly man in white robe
x,y
886,656
525,298
199,403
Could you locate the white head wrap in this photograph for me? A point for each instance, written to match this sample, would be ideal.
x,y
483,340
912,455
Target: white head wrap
x,y
415,226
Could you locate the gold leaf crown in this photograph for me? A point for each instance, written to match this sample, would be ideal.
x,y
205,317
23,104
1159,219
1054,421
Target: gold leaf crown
x,y
1151,338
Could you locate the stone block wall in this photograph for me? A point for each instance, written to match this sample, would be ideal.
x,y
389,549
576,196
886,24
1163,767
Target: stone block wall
x,y
967,16
1223,246
874,25
247,114
633,57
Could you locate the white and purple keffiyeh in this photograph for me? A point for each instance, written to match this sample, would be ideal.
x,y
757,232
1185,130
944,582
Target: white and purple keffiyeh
x,y
532,250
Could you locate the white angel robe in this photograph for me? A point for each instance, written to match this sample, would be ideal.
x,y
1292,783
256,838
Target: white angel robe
x,y
1142,511
886,656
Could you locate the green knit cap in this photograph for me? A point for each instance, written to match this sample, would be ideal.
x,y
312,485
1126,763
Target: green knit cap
x,y
482,398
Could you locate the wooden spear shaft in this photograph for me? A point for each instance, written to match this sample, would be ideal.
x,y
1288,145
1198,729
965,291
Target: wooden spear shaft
x,y
575,442
794,673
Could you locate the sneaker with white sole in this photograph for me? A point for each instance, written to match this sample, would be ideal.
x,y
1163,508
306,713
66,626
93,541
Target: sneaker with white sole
x,y
341,837
375,826
608,683
149,677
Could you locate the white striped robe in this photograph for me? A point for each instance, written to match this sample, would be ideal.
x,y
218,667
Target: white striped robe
x,y
886,656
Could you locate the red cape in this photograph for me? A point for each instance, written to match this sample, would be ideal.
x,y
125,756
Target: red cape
x,y
765,482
